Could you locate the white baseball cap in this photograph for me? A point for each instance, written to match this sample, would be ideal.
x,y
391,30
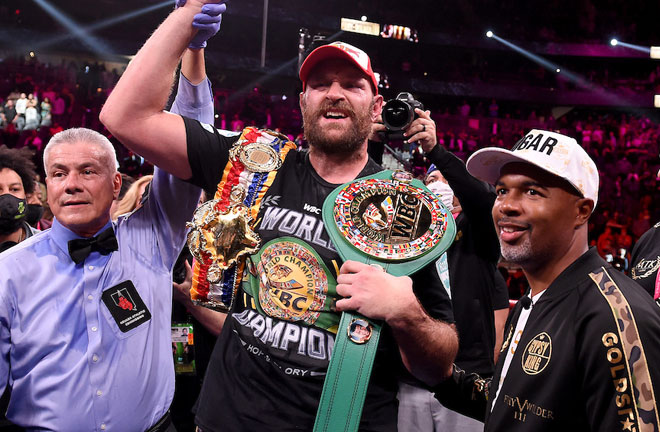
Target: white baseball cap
x,y
555,153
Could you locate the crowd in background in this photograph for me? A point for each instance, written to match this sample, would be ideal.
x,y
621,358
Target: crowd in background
x,y
38,100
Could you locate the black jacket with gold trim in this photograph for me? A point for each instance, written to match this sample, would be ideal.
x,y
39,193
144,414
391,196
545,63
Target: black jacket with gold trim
x,y
587,360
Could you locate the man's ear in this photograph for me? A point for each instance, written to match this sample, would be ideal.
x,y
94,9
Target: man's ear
x,y
584,207
378,107
116,185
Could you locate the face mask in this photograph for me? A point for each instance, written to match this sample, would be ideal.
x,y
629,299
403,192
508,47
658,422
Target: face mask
x,y
34,213
444,192
12,212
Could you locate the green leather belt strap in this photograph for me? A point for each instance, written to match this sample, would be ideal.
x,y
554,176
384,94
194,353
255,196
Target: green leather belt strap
x,y
349,371
347,380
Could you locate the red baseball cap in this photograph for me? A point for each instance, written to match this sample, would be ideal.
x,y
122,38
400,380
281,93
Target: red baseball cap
x,y
339,50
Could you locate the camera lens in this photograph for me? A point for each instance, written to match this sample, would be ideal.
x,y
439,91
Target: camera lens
x,y
397,114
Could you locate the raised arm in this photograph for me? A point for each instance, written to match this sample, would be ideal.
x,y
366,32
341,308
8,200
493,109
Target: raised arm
x,y
194,97
134,110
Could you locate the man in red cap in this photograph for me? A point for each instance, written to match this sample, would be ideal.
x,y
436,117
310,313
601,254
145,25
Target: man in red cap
x,y
270,361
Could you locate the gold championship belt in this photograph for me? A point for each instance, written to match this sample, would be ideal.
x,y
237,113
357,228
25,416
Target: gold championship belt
x,y
221,232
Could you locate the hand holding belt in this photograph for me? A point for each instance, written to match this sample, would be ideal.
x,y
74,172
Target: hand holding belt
x,y
104,243
391,220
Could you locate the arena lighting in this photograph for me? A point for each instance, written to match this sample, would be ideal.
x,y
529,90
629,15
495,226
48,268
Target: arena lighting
x,y
489,34
655,52
362,27
289,64
99,25
656,103
387,31
533,57
395,31
640,48
94,43
567,75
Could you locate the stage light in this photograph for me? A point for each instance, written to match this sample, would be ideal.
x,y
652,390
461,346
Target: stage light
x,y
362,27
96,44
489,34
32,54
640,48
363,18
103,24
655,52
567,75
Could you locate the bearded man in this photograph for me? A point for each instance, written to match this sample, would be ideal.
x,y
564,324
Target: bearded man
x,y
270,361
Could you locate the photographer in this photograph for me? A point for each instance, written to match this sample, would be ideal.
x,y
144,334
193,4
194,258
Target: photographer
x,y
470,263
405,119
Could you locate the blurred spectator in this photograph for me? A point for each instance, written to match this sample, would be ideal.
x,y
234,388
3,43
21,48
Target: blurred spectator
x,y
9,113
46,116
133,197
464,109
606,242
32,119
16,185
493,109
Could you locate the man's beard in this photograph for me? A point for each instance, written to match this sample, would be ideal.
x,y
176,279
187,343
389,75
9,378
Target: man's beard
x,y
518,254
347,143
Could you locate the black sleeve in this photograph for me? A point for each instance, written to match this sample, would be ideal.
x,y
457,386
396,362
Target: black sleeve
x,y
500,292
431,293
476,197
208,153
465,393
643,266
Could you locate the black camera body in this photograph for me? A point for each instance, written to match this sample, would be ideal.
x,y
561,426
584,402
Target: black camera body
x,y
399,113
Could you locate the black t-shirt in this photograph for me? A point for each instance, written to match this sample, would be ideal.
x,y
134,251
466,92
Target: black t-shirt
x,y
265,373
645,260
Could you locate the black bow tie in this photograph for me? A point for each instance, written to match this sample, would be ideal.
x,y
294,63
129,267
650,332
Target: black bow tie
x,y
104,243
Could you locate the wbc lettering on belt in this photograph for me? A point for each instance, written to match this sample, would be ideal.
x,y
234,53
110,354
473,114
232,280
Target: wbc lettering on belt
x,y
388,219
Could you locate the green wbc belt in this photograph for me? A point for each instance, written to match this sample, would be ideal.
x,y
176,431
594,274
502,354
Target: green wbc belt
x,y
392,220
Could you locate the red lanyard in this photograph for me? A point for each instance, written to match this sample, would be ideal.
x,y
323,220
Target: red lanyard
x,y
656,295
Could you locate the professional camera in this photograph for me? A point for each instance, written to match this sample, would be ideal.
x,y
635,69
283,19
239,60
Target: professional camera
x,y
399,113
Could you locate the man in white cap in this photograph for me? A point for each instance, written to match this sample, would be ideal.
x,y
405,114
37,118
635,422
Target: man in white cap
x,y
582,347
269,364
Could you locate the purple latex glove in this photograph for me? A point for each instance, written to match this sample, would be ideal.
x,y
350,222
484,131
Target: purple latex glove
x,y
207,22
